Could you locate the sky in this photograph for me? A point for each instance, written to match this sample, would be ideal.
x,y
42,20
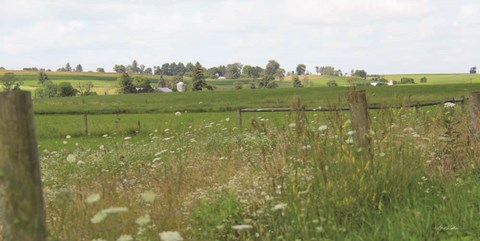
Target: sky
x,y
379,36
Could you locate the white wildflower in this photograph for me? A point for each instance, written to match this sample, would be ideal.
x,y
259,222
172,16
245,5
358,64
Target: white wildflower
x,y
178,113
80,163
93,198
105,136
349,140
242,226
280,206
127,138
71,158
125,237
99,217
323,128
156,159
227,119
143,220
101,147
350,133
292,125
98,239
170,236
382,154
148,196
115,210
449,105
65,142
68,137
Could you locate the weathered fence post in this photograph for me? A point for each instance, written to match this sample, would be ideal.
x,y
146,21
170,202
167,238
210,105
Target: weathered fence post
x,y
474,115
359,117
21,198
85,123
239,117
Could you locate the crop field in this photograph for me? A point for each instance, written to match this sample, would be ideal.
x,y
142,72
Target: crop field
x,y
177,164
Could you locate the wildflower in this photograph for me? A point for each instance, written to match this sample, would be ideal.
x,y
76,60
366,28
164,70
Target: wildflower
x,y
178,113
170,236
280,206
227,119
127,138
93,198
71,158
148,196
98,239
65,142
242,227
349,140
323,128
68,137
80,163
350,133
449,105
102,147
125,237
99,217
143,220
292,125
382,154
156,159
105,136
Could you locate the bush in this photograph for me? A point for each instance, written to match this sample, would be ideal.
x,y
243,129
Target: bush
x,y
423,79
406,80
48,90
272,85
252,85
66,89
332,83
238,85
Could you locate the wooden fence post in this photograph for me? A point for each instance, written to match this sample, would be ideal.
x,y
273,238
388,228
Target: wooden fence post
x,y
239,117
21,197
359,117
474,115
85,123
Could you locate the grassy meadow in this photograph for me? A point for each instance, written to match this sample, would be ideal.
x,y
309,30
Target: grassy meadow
x,y
160,166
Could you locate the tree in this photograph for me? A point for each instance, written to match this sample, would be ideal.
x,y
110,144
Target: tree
x,y
48,90
296,82
100,70
10,82
280,73
233,71
65,89
301,68
68,68
198,79
332,83
85,88
2,68
189,69
126,84
360,73
119,68
272,68
407,80
423,79
142,84
79,68
473,70
42,77
134,66
148,71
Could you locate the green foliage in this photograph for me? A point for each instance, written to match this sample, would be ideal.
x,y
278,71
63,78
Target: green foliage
x,y
198,79
42,77
10,82
233,71
48,90
85,88
126,84
100,70
79,68
272,85
142,84
119,68
407,80
296,82
252,72
423,79
252,85
473,70
328,71
301,68
360,73
332,83
238,85
65,89
213,218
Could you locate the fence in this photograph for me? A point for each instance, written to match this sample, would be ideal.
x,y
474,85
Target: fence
x,y
19,166
348,108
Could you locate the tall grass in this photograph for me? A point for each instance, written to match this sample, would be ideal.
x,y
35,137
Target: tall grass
x,y
297,180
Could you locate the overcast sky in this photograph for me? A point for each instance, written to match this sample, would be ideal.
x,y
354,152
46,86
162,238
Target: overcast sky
x,y
380,36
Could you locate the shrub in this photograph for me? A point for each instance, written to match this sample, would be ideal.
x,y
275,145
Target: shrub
x,y
406,80
332,83
238,85
66,89
423,79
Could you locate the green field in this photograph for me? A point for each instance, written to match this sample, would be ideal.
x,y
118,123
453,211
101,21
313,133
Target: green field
x,y
178,162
